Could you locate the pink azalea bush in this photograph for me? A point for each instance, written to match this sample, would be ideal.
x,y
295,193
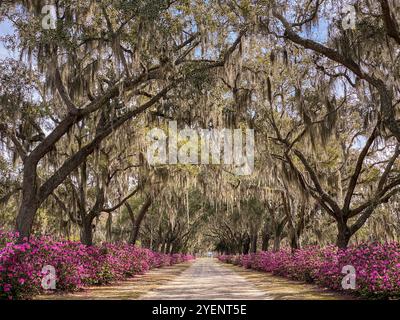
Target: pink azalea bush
x,y
76,265
377,266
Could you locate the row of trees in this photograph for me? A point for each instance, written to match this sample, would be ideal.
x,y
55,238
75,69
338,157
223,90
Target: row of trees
x,y
322,100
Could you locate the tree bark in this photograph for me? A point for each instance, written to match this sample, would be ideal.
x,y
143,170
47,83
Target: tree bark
x,y
277,243
253,244
88,218
278,234
343,236
294,242
30,202
168,247
109,227
87,231
265,241
138,221
246,245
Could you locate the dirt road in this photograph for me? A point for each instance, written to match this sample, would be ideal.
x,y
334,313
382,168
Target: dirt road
x,y
203,279
208,279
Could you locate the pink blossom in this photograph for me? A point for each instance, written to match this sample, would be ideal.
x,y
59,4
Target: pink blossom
x,y
377,266
76,265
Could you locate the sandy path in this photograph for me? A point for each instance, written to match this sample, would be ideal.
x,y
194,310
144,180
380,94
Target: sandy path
x,y
206,279
203,279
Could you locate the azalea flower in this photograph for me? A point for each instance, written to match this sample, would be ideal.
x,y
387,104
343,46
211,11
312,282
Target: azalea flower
x,y
377,266
76,265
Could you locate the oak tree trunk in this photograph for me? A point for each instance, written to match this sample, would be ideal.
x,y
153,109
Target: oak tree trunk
x,y
253,244
343,236
138,221
265,242
30,202
277,243
87,232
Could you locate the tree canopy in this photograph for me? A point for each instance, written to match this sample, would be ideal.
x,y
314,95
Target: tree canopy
x,y
79,98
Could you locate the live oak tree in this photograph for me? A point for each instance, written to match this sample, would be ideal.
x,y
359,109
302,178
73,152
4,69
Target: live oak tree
x,y
334,172
98,188
366,55
323,101
99,55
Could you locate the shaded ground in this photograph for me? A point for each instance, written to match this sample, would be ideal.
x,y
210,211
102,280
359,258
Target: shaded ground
x,y
204,279
207,279
280,288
